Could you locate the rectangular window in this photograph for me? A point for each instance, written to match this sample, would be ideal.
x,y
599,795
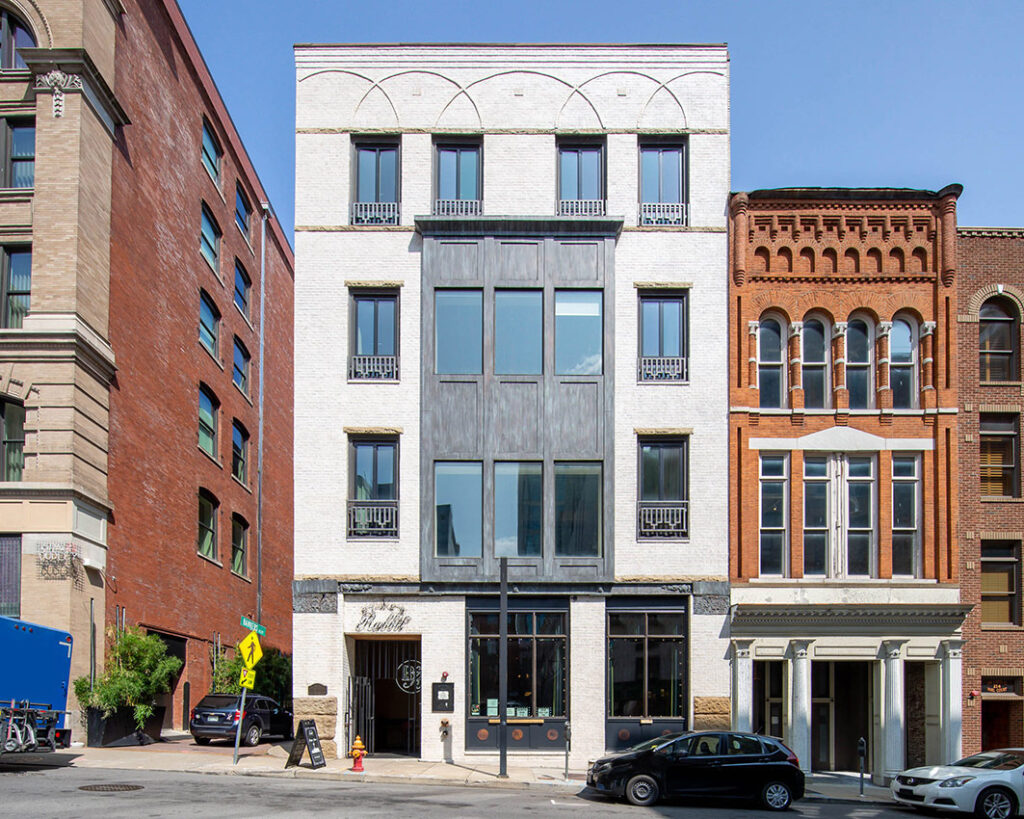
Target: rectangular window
x,y
663,338
578,504
17,285
376,192
208,421
240,367
1000,451
20,152
538,674
373,489
211,152
774,513
816,515
1000,583
12,459
662,507
662,185
10,575
518,510
375,337
458,505
243,284
209,239
243,210
458,332
207,541
239,544
647,664
209,323
458,180
906,515
518,332
581,180
579,332
239,452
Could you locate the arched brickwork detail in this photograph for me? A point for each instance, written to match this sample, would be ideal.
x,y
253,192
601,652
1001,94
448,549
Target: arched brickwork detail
x,y
897,261
1014,294
873,261
829,260
805,262
785,259
762,258
32,15
919,260
851,261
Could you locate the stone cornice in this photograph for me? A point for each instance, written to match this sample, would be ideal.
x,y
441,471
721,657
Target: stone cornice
x,y
518,225
71,69
876,619
382,587
31,490
79,344
991,232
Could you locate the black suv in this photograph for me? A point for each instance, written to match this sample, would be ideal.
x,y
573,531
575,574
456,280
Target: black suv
x,y
217,715
708,764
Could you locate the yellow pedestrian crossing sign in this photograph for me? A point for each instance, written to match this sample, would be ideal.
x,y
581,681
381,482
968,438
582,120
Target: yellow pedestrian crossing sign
x,y
248,678
251,649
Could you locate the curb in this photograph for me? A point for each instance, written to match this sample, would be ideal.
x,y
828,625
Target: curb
x,y
846,800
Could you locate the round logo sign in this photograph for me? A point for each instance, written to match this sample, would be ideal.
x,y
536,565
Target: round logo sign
x,y
408,676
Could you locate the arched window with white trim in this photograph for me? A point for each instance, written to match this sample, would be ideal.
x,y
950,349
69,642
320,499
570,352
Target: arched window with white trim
x,y
771,362
903,363
860,348
815,363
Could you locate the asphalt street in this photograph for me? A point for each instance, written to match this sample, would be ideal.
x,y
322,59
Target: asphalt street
x,y
59,792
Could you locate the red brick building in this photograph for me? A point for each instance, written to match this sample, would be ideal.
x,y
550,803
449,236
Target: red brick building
x,y
843,550
991,530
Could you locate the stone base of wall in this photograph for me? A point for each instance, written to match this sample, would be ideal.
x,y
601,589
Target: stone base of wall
x,y
710,713
324,712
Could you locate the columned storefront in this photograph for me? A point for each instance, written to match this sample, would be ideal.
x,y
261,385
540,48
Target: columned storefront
x,y
823,677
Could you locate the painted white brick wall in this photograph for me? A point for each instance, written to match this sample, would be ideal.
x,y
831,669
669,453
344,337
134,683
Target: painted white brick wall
x,y
710,671
519,174
587,679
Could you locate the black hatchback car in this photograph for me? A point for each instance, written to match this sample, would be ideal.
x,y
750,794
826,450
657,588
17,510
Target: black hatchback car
x,y
705,765
217,715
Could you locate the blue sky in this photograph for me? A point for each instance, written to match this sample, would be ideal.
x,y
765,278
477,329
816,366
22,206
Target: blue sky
x,y
902,93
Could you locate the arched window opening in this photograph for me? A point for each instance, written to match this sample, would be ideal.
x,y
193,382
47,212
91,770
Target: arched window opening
x,y
771,363
14,34
815,364
859,364
903,365
998,336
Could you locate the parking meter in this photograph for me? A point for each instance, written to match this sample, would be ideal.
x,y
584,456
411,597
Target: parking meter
x,y
862,752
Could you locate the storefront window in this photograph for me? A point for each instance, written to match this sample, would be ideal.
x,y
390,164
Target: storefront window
x,y
647,664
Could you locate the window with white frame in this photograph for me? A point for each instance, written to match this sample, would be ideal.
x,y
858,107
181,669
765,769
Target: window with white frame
x,y
771,369
840,515
815,364
773,513
860,364
903,364
906,515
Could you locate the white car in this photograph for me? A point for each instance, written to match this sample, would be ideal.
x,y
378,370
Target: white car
x,y
989,784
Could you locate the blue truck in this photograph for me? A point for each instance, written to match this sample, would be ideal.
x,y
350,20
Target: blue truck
x,y
35,670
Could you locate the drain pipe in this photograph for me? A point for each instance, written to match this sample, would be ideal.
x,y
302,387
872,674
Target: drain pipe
x,y
265,207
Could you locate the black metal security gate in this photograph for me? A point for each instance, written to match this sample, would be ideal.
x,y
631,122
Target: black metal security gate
x,y
359,716
384,696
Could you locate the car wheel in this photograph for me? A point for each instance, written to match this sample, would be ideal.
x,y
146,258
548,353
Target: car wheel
x,y
642,790
776,796
202,740
995,803
252,735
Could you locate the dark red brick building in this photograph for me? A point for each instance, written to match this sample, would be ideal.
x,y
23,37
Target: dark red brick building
x,y
990,307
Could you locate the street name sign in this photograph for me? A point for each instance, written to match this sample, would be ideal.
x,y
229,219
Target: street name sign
x,y
252,625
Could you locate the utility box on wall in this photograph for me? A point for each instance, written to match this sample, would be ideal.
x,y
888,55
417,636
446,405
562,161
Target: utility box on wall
x,y
442,697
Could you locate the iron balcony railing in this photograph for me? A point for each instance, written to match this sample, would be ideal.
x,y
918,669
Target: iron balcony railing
x,y
375,213
373,368
662,519
373,518
662,213
581,207
458,207
671,368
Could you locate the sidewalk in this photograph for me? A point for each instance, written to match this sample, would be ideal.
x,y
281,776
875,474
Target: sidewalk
x,y
182,755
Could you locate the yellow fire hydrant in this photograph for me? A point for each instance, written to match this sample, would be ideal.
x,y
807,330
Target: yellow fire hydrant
x,y
357,753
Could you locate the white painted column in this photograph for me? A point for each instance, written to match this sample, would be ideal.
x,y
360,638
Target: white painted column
x,y
800,714
952,692
893,730
742,686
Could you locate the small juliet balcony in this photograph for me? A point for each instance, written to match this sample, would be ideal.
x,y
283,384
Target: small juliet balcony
x,y
373,518
375,213
458,207
662,520
582,207
663,369
663,214
373,368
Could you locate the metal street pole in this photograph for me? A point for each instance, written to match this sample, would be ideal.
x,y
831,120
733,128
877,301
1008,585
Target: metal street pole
x,y
238,731
503,672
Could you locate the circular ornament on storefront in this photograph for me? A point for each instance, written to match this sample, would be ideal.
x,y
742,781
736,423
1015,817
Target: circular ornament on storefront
x,y
552,734
623,734
482,734
517,734
409,676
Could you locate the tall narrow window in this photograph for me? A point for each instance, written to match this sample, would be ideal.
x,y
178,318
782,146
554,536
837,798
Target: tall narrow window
x,y
662,188
243,285
773,514
209,323
12,459
906,516
375,337
998,340
817,516
458,508
815,364
662,511
209,239
17,285
1000,583
239,452
10,575
376,199
770,363
579,332
207,539
1000,454
518,332
243,211
860,518
458,180
663,342
240,367
903,365
239,544
578,503
373,489
458,331
20,152
518,510
211,152
581,180
208,406
647,664
859,362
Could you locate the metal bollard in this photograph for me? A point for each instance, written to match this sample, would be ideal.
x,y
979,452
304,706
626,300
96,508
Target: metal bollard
x,y
568,734
862,752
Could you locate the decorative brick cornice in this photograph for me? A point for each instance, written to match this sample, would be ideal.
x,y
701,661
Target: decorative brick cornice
x,y
991,232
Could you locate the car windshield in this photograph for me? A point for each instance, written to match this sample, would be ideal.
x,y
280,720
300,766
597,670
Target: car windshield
x,y
993,760
657,742
218,701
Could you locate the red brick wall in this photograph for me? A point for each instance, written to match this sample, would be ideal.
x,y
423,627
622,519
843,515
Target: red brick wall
x,y
156,467
986,259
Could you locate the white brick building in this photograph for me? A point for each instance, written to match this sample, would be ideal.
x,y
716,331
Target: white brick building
x,y
511,341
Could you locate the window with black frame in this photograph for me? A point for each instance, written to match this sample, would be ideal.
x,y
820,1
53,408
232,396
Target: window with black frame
x,y
19,153
662,506
17,285
14,34
538,674
374,341
12,461
581,179
373,495
647,664
376,193
662,184
663,338
458,180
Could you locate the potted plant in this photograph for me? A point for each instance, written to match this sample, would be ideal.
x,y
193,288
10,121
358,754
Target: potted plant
x,y
120,702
